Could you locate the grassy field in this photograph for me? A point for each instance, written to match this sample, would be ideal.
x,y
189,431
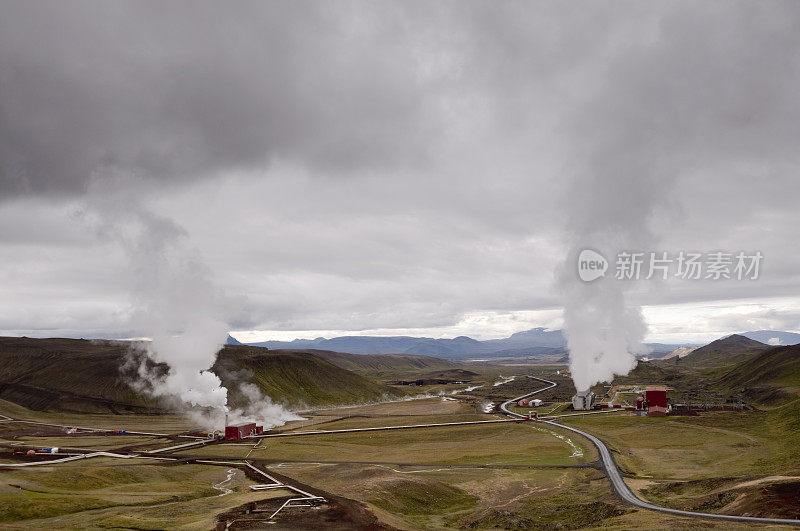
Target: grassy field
x,y
104,493
392,412
504,444
146,423
108,494
726,462
415,498
424,406
671,458
423,411
357,421
712,445
422,497
103,443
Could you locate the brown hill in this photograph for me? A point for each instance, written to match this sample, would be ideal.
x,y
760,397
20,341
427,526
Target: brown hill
x,y
68,375
723,352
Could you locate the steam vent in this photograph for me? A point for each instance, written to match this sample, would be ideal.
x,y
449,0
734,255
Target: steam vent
x,y
582,401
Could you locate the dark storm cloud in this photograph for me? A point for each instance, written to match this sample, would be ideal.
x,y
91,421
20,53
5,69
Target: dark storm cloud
x,y
182,90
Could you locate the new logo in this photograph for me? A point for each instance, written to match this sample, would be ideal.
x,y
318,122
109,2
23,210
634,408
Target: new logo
x,y
591,265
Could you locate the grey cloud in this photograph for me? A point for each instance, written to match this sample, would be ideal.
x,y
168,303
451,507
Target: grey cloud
x,y
768,319
184,90
698,90
468,142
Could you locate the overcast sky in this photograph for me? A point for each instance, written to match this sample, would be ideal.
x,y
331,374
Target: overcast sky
x,y
395,168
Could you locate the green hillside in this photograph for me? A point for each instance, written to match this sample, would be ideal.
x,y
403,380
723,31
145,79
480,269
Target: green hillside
x,y
87,376
68,375
651,372
297,377
385,364
770,376
725,369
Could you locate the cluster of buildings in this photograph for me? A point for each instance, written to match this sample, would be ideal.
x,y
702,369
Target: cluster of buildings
x,y
653,401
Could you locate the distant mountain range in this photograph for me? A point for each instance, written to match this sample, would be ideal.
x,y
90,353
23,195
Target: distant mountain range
x,y
536,342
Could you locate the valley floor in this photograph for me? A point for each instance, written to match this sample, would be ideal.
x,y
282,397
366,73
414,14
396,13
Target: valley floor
x,y
505,475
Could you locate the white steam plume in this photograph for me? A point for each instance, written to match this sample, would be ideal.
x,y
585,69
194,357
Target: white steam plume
x,y
603,330
181,310
260,408
177,305
609,209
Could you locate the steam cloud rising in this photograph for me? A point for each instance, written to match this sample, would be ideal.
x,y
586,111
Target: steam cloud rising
x,y
604,328
603,331
178,306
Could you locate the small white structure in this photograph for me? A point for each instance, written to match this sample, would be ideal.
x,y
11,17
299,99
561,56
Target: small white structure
x,y
583,401
535,402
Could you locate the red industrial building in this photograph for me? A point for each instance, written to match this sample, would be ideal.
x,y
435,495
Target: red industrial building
x,y
656,397
234,433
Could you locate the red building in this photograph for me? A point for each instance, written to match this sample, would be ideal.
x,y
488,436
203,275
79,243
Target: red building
x,y
234,433
656,397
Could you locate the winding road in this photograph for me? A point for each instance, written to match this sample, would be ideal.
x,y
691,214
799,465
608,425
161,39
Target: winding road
x,y
622,489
